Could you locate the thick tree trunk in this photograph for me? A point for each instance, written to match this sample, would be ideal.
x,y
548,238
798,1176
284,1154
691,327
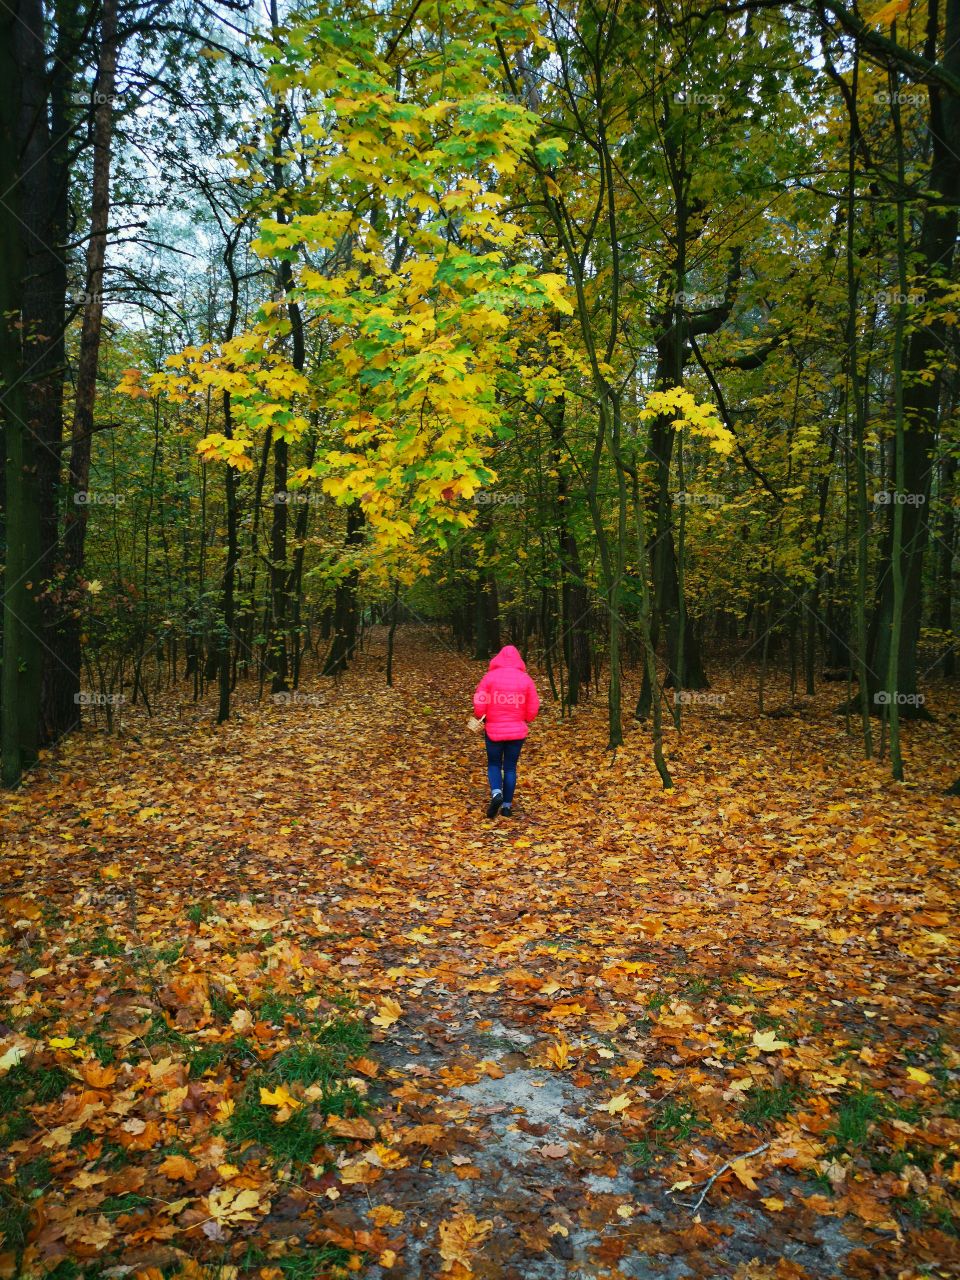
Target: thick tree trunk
x,y
486,617
922,392
47,181
679,634
22,135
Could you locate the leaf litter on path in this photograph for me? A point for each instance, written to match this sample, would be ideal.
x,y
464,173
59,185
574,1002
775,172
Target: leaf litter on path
x,y
276,995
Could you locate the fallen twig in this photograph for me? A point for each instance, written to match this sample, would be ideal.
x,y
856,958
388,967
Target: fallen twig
x,y
723,1169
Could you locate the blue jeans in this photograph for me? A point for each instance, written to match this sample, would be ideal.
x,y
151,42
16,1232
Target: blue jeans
x,y
502,760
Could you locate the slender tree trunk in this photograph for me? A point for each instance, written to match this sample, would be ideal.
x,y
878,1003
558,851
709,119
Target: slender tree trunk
x,y
85,393
860,427
394,614
946,540
228,586
574,602
896,549
295,584
344,640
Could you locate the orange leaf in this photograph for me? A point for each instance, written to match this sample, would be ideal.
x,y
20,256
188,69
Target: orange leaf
x,y
179,1168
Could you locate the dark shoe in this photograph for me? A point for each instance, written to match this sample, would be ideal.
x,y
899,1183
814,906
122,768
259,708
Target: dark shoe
x,y
506,811
496,800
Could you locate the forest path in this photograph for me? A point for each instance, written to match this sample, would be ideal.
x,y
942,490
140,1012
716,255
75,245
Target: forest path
x,y
616,992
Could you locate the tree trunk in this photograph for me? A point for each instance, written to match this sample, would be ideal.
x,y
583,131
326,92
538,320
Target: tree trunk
x,y
22,65
922,392
45,182
394,614
345,602
943,608
85,393
574,601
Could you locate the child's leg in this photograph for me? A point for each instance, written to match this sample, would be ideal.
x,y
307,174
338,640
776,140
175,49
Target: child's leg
x,y
494,764
511,754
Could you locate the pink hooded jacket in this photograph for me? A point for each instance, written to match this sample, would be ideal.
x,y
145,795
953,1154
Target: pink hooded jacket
x,y
506,696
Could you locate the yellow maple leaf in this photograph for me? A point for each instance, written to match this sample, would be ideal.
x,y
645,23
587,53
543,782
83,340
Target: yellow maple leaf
x,y
767,1042
178,1168
388,1013
279,1097
559,1054
359,1171
230,1206
619,1102
915,1073
569,1009
385,1215
742,1172
460,1238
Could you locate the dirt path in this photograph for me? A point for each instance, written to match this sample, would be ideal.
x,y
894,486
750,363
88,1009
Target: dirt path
x,y
579,1016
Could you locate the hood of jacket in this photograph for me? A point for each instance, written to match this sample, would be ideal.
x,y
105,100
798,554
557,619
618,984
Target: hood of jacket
x,y
509,656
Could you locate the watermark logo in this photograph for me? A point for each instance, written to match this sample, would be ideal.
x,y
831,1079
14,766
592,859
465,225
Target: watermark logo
x,y
493,498
94,98
298,498
884,698
893,498
89,698
500,698
698,301
294,698
903,97
698,698
97,498
687,499
897,298
696,98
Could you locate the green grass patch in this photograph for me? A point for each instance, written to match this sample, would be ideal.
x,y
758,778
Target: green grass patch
x,y
277,1006
210,1057
323,1262
855,1117
677,1117
291,1143
14,1219
117,1206
23,1087
219,1007
101,945
765,1106
161,1033
645,1152
318,1057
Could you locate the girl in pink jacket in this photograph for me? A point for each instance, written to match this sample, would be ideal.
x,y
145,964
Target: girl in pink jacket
x,y
507,698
